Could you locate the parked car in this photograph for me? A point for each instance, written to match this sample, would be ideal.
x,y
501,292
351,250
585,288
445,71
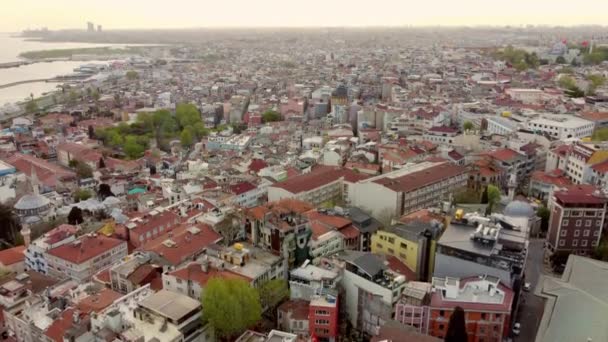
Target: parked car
x,y
527,287
516,329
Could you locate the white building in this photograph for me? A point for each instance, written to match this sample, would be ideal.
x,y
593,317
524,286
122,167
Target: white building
x,y
35,254
84,257
501,125
561,126
405,190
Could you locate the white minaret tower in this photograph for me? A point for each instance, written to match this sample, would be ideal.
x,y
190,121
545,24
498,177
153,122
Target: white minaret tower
x,y
511,185
26,232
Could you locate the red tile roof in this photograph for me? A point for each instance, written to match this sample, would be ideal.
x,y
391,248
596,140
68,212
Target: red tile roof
x,y
317,178
396,265
60,326
256,165
284,205
194,272
594,116
601,167
555,177
47,173
186,243
504,154
419,179
241,188
580,194
12,255
89,247
98,301
298,308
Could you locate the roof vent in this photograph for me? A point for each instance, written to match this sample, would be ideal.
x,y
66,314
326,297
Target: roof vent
x,y
169,243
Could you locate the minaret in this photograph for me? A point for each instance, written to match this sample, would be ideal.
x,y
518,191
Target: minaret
x,y
26,233
512,184
34,182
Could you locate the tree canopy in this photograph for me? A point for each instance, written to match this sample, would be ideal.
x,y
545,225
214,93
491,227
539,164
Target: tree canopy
x,y
75,216
230,306
132,75
10,224
104,191
518,58
82,195
467,126
271,116
544,213
493,197
83,170
600,134
31,106
186,138
272,293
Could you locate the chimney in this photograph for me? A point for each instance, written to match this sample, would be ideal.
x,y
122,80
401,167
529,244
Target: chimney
x,y
76,317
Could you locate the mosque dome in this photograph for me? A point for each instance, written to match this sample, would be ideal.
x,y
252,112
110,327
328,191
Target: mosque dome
x,y
32,202
519,209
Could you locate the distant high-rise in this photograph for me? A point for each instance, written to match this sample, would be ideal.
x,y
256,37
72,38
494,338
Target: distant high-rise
x,y
90,27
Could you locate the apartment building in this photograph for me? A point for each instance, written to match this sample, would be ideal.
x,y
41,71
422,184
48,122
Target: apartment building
x,y
412,243
150,225
561,126
578,217
580,162
323,316
308,280
35,253
85,256
322,184
413,187
441,135
486,302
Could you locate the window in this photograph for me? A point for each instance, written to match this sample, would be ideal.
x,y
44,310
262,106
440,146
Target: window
x,y
483,315
402,256
577,233
441,313
583,243
594,243
403,245
588,223
574,243
378,245
596,233
392,251
563,232
565,222
586,232
598,223
562,242
441,326
391,240
322,312
579,223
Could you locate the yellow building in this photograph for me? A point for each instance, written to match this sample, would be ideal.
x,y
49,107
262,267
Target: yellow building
x,y
412,243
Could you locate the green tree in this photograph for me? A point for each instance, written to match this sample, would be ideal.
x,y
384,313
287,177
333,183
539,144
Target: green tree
x,y
595,81
31,106
566,82
271,116
187,115
601,251
560,60
468,196
83,170
82,195
230,306
132,75
468,125
272,293
10,224
544,213
73,97
200,130
493,198
95,95
75,216
186,138
132,148
600,134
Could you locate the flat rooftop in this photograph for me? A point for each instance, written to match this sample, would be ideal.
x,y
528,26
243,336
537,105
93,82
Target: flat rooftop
x,y
170,304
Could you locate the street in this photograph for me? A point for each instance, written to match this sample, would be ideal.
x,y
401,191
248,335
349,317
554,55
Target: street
x,y
531,308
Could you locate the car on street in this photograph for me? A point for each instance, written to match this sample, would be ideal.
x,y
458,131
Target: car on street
x,y
527,287
516,329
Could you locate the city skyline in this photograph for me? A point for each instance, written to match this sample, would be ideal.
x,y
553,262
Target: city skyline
x,y
114,14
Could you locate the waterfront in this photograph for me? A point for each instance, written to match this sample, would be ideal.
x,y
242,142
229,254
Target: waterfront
x,y
13,46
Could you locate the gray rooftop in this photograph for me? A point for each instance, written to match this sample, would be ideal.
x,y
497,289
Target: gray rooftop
x,y
370,263
577,304
458,236
170,304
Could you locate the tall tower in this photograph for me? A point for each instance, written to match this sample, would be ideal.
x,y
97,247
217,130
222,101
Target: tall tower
x,y
511,185
34,182
26,232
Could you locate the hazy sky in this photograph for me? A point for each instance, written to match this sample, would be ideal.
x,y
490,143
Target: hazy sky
x,y
114,14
